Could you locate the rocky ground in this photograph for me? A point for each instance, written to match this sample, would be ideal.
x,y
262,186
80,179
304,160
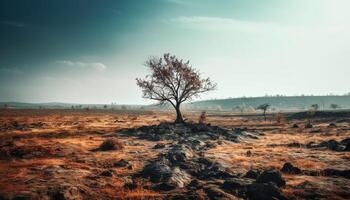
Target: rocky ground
x,y
61,154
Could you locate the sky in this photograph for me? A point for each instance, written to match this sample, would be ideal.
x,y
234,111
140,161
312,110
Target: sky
x,y
91,51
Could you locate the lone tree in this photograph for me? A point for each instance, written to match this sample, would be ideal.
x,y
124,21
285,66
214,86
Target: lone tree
x,y
173,81
264,107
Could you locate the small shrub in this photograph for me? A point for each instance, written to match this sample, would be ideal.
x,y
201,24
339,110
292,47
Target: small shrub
x,y
111,144
279,118
202,118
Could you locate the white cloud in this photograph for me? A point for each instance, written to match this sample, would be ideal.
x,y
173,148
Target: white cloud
x,y
93,65
230,24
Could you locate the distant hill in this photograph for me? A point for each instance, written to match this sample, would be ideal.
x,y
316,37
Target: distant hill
x,y
283,103
278,103
58,105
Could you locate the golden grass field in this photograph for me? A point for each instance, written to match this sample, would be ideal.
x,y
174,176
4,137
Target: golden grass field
x,y
59,152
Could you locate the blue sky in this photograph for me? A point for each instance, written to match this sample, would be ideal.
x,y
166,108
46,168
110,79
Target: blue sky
x,y
89,51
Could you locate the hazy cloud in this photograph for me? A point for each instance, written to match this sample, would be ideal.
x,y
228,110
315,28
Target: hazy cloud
x,y
12,71
179,2
230,24
93,65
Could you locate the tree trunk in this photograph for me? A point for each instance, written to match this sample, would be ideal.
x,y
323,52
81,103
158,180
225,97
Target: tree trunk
x,y
179,118
265,115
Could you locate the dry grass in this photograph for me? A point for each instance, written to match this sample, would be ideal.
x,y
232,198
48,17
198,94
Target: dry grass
x,y
68,137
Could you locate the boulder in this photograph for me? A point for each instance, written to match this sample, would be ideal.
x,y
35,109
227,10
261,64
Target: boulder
x,y
290,169
214,192
264,191
336,172
332,145
179,178
157,172
252,174
180,153
346,143
212,170
163,187
237,185
273,176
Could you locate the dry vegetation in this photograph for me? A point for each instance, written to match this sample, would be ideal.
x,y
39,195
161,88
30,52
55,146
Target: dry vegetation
x,y
56,153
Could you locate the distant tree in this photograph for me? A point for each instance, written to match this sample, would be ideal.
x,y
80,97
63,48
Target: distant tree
x,y
263,107
240,108
173,81
315,107
310,114
334,106
105,106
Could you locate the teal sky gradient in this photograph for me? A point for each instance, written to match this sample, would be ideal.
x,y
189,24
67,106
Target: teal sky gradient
x,y
91,51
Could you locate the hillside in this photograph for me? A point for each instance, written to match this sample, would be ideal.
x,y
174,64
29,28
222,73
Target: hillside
x,y
287,103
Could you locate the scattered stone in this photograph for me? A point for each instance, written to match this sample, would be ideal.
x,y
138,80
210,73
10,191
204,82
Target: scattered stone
x,y
121,163
157,172
65,192
130,185
264,191
163,187
295,126
159,146
294,144
332,125
273,176
335,172
180,153
290,169
252,174
315,130
212,170
346,142
214,192
332,145
237,186
111,144
195,184
248,153
107,173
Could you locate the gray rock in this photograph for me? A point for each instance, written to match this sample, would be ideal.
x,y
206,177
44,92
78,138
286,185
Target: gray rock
x,y
159,172
252,174
273,176
264,191
236,185
180,153
290,169
214,192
